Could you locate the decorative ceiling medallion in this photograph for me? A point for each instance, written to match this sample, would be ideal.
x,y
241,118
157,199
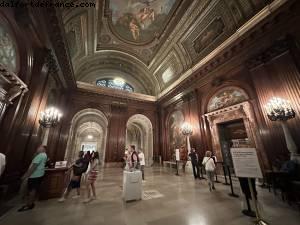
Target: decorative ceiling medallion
x,y
139,22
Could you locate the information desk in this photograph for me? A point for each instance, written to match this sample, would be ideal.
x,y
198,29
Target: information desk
x,y
132,185
54,183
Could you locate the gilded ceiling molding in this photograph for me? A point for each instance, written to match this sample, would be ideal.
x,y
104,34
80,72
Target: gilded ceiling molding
x,y
210,62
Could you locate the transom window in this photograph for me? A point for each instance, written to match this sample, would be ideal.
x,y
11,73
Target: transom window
x,y
111,83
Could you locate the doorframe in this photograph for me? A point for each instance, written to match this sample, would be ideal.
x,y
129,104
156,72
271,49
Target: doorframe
x,y
242,111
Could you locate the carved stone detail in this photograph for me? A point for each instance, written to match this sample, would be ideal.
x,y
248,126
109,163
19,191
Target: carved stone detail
x,y
239,111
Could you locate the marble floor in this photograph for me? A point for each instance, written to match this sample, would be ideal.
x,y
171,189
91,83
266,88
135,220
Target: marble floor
x,y
171,200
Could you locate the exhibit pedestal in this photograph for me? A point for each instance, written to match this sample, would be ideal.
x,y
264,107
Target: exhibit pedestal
x,y
132,185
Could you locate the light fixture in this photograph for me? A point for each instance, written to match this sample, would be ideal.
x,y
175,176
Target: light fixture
x,y
279,109
90,137
186,129
50,117
119,81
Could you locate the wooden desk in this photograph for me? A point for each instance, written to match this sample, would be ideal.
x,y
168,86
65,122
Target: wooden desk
x,y
54,183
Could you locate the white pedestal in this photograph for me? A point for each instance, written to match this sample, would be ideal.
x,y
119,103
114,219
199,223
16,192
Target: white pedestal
x,y
132,185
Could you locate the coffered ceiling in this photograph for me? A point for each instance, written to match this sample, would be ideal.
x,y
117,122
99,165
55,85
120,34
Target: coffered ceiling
x,y
149,43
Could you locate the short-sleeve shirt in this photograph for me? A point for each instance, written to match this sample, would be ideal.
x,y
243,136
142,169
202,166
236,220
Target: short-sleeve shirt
x,y
40,159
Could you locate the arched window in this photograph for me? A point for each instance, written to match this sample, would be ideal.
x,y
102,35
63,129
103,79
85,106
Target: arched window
x,y
110,83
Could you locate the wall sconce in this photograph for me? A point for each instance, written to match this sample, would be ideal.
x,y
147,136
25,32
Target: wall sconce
x,y
279,109
187,130
49,118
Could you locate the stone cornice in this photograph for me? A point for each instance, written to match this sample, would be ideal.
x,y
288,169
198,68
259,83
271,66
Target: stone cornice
x,y
115,93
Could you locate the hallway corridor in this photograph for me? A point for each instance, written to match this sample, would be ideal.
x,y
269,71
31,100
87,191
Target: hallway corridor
x,y
182,201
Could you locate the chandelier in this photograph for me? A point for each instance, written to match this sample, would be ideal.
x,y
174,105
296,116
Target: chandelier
x,y
186,129
50,117
279,109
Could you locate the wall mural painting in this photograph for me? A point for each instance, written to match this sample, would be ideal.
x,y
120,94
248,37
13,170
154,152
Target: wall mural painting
x,y
7,50
176,138
226,97
140,20
214,30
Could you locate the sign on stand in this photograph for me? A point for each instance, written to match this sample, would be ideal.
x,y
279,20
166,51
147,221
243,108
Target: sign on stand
x,y
245,162
177,154
246,165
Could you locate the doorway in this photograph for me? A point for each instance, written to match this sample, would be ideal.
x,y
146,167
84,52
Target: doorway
x,y
139,132
232,134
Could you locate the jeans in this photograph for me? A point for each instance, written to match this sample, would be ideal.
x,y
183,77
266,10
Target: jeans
x,y
196,170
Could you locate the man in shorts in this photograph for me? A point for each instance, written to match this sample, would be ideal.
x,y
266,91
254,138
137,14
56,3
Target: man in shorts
x,y
34,177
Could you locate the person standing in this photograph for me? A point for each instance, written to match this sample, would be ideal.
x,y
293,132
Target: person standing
x,y
195,163
142,163
34,177
92,175
210,167
79,168
134,158
2,163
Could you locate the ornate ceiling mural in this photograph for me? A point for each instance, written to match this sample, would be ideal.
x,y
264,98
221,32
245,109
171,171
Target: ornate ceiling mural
x,y
140,21
154,41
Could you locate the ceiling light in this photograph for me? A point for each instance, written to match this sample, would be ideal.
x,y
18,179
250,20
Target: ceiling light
x,y
119,81
90,137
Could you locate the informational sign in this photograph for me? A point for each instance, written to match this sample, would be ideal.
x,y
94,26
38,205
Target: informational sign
x,y
61,164
177,154
245,162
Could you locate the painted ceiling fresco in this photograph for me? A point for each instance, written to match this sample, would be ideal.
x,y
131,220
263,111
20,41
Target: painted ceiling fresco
x,y
152,43
140,20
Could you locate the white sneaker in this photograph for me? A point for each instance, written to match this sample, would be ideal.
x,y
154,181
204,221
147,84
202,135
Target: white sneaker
x,y
76,196
87,200
62,199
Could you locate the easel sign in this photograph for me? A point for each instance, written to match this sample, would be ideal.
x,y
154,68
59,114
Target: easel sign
x,y
245,163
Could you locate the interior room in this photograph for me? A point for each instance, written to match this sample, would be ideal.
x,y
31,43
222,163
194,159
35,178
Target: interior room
x,y
150,112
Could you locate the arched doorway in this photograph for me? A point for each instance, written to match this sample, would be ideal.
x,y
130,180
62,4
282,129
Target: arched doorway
x,y
139,132
88,131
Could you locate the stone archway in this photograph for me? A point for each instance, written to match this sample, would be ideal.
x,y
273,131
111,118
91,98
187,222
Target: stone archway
x,y
87,126
139,132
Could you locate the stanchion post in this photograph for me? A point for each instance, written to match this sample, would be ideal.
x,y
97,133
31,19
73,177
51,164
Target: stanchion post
x,y
177,173
259,220
232,194
216,181
224,171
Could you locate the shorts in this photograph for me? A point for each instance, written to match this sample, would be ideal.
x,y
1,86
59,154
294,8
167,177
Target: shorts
x,y
74,184
34,183
93,175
